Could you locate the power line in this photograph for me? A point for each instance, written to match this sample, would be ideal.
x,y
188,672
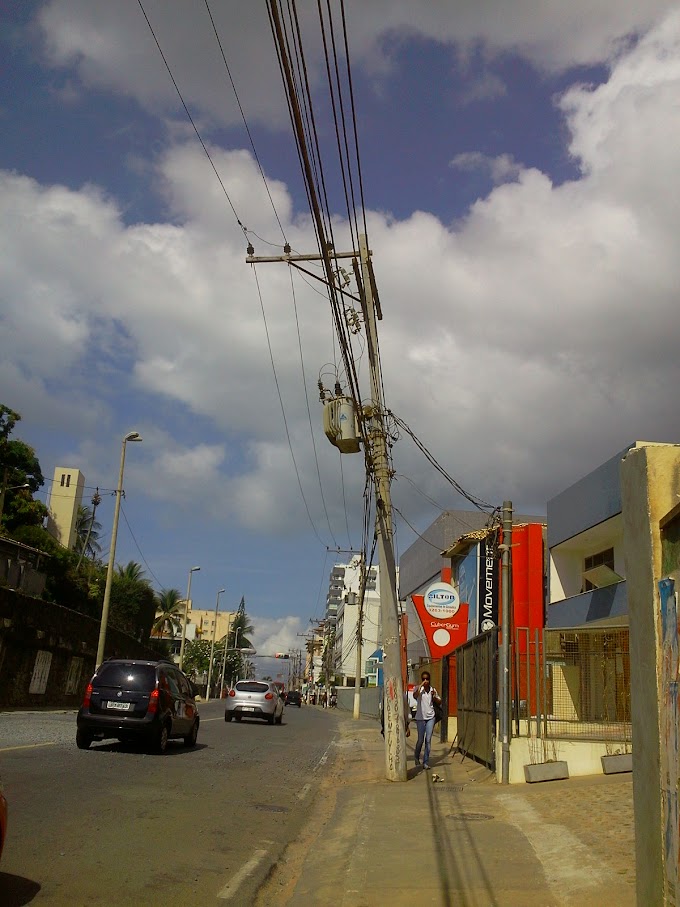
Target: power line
x,y
309,413
245,123
191,119
477,502
141,554
283,410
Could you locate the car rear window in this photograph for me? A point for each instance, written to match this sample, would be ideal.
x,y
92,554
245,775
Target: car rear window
x,y
252,686
140,678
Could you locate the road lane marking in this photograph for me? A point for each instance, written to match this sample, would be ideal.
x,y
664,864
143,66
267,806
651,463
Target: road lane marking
x,y
26,746
305,790
247,869
203,720
323,759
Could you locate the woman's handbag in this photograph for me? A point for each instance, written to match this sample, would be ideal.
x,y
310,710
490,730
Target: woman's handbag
x,y
438,712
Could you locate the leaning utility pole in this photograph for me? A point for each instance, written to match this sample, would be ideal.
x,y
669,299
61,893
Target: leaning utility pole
x,y
378,465
393,691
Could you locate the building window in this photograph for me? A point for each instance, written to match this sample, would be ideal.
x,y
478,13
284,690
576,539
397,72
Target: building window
x,y
601,559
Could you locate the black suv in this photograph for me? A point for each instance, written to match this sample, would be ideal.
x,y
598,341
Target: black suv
x,y
294,697
151,701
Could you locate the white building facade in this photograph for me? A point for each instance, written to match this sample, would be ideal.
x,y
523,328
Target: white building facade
x,y
345,588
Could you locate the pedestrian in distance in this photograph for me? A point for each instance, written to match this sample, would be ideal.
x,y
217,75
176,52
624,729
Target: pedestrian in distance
x,y
425,696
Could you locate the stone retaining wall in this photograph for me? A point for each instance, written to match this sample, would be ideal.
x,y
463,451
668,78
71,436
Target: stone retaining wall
x,y
48,653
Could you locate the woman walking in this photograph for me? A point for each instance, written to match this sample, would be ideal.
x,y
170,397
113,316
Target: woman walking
x,y
425,696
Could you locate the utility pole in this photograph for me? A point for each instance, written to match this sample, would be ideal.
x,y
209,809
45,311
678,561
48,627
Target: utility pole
x,y
504,654
360,638
393,691
378,464
96,501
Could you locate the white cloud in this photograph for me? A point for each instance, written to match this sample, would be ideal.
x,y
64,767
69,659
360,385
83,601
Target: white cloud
x,y
272,635
501,168
110,45
523,345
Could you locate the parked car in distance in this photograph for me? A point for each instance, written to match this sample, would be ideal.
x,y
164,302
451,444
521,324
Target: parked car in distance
x,y
3,819
294,697
254,699
131,700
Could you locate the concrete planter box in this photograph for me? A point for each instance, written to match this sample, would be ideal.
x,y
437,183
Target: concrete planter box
x,y
623,762
546,771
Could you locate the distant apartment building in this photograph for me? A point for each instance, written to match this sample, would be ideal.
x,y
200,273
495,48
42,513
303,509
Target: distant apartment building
x,y
66,496
204,621
343,612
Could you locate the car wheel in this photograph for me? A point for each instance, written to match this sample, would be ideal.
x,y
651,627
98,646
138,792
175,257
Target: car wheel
x,y
237,717
299,705
279,720
190,739
83,740
160,744
228,716
270,719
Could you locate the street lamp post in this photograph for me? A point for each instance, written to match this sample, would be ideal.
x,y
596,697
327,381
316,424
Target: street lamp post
x,y
224,654
130,436
212,647
186,614
4,490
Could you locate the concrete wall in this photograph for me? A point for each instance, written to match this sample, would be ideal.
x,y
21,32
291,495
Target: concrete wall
x,y
370,700
583,757
48,653
650,484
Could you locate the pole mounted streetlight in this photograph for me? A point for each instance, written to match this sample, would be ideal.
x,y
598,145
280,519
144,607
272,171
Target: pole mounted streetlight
x,y
186,615
130,436
212,647
3,492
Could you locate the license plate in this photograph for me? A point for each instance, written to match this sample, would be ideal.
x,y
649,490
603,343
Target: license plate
x,y
119,706
247,708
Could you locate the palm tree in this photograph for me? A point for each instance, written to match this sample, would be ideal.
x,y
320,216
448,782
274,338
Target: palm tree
x,y
87,533
169,612
133,572
242,624
240,628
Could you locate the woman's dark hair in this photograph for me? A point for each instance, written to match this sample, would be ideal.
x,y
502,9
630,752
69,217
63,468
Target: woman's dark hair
x,y
425,675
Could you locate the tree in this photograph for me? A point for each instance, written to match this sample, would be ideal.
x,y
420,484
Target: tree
x,y
132,572
169,612
133,602
19,466
240,628
238,636
197,657
87,532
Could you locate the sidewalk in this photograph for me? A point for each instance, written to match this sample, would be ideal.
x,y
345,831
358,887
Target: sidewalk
x,y
464,841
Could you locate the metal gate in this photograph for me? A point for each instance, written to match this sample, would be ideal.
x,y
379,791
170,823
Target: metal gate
x,y
477,682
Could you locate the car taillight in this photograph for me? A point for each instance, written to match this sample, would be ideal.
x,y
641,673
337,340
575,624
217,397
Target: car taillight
x,y
153,702
87,696
268,695
232,692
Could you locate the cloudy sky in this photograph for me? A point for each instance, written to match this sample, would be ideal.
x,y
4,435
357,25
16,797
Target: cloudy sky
x,y
520,167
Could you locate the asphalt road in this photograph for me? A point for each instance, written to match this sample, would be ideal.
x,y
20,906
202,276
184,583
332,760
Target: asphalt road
x,y
114,826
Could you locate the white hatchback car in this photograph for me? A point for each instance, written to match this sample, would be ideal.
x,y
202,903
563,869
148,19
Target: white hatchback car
x,y
254,699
